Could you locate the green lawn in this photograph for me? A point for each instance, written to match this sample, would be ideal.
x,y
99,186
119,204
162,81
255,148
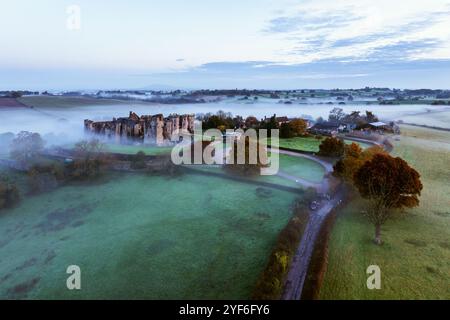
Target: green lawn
x,y
138,236
133,149
301,143
295,166
301,167
415,258
310,144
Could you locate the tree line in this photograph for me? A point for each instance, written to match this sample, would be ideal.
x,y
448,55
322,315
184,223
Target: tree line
x,y
225,120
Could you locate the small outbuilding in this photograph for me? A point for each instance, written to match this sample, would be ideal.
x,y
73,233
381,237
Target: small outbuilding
x,y
378,125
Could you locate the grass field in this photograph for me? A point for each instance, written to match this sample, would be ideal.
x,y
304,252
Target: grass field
x,y
301,143
133,149
301,167
437,119
142,237
310,144
51,102
415,258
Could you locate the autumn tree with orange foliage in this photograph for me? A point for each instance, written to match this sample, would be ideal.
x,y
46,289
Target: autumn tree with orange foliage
x,y
331,147
388,183
354,157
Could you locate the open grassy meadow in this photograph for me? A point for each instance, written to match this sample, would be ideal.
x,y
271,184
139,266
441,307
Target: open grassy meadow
x,y
133,149
415,256
138,236
302,167
309,144
142,236
433,119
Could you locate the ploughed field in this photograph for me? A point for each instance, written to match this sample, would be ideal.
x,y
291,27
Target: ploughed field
x,y
141,236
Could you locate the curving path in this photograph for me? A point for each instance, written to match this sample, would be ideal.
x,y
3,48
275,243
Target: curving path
x,y
320,187
295,279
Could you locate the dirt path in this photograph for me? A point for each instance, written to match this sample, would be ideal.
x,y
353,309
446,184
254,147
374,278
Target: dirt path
x,y
300,262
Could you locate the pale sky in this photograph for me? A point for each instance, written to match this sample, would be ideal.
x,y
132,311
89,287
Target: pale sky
x,y
224,44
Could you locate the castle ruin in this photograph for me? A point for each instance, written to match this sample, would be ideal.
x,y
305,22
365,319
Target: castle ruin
x,y
147,129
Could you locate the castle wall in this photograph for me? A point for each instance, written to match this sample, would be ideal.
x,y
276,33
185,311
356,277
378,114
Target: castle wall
x,y
149,129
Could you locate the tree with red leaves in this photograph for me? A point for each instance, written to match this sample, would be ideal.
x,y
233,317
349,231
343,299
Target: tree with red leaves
x,y
388,183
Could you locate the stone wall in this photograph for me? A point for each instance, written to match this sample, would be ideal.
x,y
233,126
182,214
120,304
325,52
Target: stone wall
x,y
149,129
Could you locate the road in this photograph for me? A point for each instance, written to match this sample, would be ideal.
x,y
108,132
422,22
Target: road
x,y
300,262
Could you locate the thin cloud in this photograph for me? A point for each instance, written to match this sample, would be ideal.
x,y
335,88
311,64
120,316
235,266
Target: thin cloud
x,y
364,31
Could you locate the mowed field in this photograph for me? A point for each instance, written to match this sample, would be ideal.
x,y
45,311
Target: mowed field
x,y
309,144
415,256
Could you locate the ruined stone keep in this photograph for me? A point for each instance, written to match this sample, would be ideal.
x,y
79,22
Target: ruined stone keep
x,y
148,129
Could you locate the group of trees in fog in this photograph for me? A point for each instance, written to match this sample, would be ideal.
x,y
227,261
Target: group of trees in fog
x,y
90,157
26,147
44,173
225,120
355,117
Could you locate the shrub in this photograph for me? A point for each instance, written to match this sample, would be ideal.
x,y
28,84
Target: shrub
x,y
331,147
45,177
89,161
303,203
271,281
9,194
163,165
294,128
138,161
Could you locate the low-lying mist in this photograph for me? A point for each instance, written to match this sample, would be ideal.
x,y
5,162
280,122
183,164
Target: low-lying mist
x,y
60,125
